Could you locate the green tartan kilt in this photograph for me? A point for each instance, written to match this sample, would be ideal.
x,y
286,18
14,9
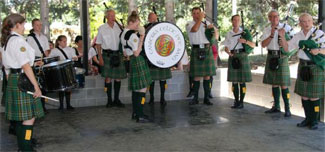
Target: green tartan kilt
x,y
160,73
314,88
243,74
280,76
113,72
139,76
201,68
21,106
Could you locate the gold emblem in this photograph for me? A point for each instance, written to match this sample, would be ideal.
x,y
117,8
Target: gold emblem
x,y
135,40
22,49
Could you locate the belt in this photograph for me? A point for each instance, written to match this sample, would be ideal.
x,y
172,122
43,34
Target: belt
x,y
198,45
274,52
306,62
237,51
15,71
110,51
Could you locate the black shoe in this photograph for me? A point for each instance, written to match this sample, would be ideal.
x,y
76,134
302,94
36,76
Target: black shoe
x,y
163,103
70,107
118,103
109,104
193,102
151,102
142,120
210,96
207,102
304,123
273,110
60,109
236,103
134,116
314,126
240,105
190,94
287,113
36,144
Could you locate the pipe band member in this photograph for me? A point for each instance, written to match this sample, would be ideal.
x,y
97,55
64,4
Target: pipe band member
x,y
40,44
238,46
108,42
202,62
64,52
159,74
139,76
310,83
277,72
18,57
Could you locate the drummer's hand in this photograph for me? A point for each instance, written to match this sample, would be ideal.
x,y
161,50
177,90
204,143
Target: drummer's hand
x,y
136,53
74,58
39,63
243,41
37,92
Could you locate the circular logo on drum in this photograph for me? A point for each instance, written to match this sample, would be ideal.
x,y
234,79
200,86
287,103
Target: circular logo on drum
x,y
165,45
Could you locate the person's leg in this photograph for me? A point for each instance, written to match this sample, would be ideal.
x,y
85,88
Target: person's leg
x,y
286,97
163,86
206,87
108,89
276,96
235,90
117,88
196,87
152,91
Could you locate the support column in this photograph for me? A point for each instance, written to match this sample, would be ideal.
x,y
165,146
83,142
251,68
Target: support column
x,y
84,20
321,17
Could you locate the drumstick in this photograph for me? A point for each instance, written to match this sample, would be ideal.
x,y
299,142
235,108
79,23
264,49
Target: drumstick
x,y
44,97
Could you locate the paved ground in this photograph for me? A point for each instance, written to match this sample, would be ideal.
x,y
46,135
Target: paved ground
x,y
178,127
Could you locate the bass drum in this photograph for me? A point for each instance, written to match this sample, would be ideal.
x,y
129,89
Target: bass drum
x,y
164,44
59,76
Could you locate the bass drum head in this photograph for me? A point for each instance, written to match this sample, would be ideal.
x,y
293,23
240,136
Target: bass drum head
x,y
164,44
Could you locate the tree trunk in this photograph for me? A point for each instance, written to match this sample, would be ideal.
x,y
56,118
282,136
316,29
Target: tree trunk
x,y
132,6
208,8
169,6
45,17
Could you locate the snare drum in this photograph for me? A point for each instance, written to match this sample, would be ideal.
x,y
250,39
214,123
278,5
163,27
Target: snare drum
x,y
58,76
48,60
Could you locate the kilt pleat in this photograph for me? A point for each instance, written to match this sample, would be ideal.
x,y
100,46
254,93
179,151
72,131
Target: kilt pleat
x,y
280,76
139,76
160,73
314,88
243,74
201,68
21,106
113,72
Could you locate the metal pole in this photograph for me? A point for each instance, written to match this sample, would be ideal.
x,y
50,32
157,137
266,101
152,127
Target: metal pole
x,y
321,17
214,11
84,32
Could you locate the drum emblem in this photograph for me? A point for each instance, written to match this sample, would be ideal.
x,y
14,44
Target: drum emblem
x,y
165,45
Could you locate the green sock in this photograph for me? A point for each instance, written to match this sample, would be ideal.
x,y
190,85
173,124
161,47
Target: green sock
x,y
196,87
286,97
314,108
117,88
206,87
305,105
108,89
276,96
235,90
152,90
163,86
242,91
26,137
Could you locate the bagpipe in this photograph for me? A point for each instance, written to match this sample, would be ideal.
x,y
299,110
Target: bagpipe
x,y
314,41
209,32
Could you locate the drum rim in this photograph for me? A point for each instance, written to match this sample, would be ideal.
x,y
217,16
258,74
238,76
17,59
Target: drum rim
x,y
147,35
53,64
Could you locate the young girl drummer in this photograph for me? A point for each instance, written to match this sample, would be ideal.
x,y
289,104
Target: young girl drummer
x,y
65,53
139,77
18,57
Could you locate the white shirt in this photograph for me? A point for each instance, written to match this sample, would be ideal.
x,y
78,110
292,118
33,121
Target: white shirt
x,y
92,52
108,37
133,42
197,38
42,39
18,53
231,41
294,42
70,52
274,44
